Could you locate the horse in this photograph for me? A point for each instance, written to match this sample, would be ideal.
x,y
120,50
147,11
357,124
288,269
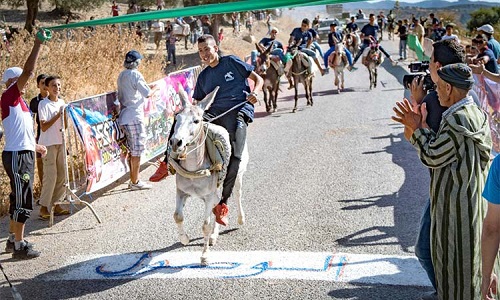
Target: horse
x,y
352,43
270,70
372,60
196,176
338,61
301,72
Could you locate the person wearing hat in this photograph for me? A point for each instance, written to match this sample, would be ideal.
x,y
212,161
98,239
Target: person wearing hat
x,y
18,156
277,45
493,44
132,91
335,37
485,56
458,156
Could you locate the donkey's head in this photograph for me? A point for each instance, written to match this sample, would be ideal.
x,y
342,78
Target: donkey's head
x,y
263,61
189,122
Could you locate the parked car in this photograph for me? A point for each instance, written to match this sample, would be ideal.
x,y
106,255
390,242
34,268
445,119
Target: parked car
x,y
324,28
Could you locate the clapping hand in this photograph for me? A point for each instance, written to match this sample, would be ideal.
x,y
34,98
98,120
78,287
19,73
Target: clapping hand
x,y
410,117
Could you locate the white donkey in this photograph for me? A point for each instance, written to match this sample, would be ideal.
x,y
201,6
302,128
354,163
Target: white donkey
x,y
338,61
196,176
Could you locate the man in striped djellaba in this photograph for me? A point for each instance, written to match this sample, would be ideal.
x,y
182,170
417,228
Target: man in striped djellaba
x,y
458,155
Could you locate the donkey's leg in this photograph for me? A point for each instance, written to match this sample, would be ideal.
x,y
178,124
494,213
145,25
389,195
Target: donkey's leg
x,y
180,201
214,226
336,76
311,90
210,202
296,87
267,99
375,77
342,79
237,196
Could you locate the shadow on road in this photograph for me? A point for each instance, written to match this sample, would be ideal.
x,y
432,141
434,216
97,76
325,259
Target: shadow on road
x,y
407,202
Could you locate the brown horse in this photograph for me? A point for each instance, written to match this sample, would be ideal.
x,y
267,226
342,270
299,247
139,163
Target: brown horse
x,y
270,70
301,73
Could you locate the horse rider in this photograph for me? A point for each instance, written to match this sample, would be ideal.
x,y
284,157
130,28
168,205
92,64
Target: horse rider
x,y
231,74
368,32
352,27
303,38
277,49
335,37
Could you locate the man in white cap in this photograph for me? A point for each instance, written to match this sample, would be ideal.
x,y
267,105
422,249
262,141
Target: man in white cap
x,y
132,91
493,44
18,156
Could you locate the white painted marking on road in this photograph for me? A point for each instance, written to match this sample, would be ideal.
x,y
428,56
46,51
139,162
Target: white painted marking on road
x,y
337,267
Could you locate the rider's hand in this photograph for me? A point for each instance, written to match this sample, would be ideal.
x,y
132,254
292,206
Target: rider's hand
x,y
252,97
417,91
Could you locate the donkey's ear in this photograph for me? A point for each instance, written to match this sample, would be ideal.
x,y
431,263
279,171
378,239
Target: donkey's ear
x,y
257,46
208,100
183,96
268,50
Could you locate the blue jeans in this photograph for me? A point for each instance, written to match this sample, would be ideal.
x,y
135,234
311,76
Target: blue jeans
x,y
402,48
279,52
348,54
423,246
316,46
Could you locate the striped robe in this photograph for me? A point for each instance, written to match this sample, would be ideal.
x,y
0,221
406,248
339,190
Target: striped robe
x,y
458,156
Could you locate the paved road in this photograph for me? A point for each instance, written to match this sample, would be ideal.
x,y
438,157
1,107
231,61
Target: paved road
x,y
333,197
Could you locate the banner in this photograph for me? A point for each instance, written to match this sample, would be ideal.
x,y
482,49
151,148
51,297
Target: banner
x,y
94,120
488,92
414,44
205,9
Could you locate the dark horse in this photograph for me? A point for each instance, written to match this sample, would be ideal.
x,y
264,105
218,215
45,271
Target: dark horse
x,y
270,70
301,73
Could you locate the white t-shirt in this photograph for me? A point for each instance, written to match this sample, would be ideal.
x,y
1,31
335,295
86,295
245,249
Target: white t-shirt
x,y
17,121
450,37
158,27
47,109
132,91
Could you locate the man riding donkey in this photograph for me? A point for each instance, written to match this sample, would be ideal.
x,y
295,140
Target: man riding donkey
x,y
302,38
335,37
232,108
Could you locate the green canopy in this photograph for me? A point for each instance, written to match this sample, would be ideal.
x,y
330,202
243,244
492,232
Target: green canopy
x,y
207,9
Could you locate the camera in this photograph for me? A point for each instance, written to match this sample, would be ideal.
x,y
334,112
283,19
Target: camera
x,y
421,70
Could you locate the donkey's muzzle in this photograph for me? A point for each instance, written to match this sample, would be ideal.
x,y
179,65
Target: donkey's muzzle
x,y
176,144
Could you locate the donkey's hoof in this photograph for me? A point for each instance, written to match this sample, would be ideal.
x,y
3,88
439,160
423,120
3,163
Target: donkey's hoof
x,y
241,220
204,261
184,239
294,110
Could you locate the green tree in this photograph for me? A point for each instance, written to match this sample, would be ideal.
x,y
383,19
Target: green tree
x,y
31,5
64,7
490,15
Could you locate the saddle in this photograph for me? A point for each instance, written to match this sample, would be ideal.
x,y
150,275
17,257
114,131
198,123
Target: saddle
x,y
276,63
218,148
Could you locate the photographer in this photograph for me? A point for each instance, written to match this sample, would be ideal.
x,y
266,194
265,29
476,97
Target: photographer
x,y
444,53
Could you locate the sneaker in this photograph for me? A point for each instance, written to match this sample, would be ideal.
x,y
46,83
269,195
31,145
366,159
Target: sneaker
x,y
26,252
10,246
352,68
160,173
59,211
327,71
140,185
221,211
